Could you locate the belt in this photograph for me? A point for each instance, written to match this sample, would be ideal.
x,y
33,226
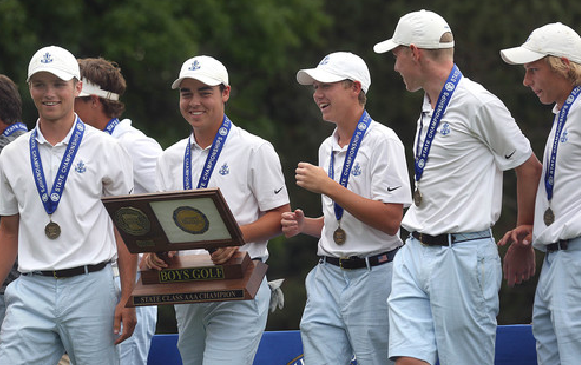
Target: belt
x,y
442,239
354,263
559,245
69,273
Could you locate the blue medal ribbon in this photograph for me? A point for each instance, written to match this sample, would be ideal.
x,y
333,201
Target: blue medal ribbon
x,y
211,160
550,173
443,100
111,124
356,139
14,128
50,202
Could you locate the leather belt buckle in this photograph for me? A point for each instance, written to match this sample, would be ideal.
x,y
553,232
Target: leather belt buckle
x,y
341,260
421,239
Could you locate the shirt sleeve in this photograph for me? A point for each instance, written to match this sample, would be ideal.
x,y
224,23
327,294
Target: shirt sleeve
x,y
266,178
499,131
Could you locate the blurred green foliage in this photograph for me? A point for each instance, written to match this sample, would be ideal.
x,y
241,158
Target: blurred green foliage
x,y
263,43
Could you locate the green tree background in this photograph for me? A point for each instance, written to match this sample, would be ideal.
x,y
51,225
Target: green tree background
x,y
263,43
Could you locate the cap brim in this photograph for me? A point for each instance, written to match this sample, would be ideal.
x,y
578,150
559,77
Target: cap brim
x,y
520,55
385,46
307,76
65,76
202,78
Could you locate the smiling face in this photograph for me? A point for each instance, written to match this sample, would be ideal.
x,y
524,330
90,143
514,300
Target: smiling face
x,y
53,97
549,86
334,100
405,65
202,105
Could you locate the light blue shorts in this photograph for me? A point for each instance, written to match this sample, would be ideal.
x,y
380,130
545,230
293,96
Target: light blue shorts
x,y
346,314
223,333
557,308
444,302
135,349
46,316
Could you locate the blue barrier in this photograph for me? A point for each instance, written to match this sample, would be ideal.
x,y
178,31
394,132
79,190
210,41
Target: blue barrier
x,y
515,345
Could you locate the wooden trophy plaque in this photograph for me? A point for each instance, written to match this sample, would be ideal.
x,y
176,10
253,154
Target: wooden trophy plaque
x,y
185,220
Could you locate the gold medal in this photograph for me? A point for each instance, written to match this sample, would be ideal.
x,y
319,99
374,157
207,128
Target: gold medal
x,y
52,230
339,236
549,217
418,197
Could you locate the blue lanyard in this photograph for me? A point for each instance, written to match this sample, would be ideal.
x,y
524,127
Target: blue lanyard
x,y
443,100
14,128
356,139
211,160
111,124
50,202
550,173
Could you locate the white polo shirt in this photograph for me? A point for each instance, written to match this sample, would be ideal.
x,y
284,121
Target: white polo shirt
x,y
566,202
248,173
143,150
477,139
379,172
101,167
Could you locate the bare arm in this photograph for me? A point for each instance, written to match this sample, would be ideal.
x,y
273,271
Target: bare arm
x,y
295,222
381,216
127,263
8,244
528,176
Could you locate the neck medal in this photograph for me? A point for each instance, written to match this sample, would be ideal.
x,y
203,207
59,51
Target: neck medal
x,y
549,215
340,236
443,100
50,201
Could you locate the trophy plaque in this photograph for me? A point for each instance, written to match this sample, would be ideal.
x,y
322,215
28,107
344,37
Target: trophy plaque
x,y
185,220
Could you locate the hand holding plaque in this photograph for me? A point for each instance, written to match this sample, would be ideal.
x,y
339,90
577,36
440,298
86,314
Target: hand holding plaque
x,y
195,219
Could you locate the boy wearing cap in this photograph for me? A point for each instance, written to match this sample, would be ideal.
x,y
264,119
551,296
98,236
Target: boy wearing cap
x,y
446,278
51,183
98,105
363,182
551,57
247,170
12,128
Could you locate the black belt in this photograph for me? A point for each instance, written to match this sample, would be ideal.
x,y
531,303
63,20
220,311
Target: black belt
x,y
559,245
354,263
442,239
68,273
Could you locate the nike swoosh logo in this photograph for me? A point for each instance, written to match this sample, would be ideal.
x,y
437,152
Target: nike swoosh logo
x,y
278,191
390,189
509,155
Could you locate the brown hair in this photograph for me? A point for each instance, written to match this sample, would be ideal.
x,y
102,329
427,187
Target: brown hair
x,y
10,101
362,97
107,75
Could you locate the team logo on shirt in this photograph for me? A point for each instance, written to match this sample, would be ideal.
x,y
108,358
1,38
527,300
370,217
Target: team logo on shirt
x,y
80,168
46,58
324,61
224,170
564,135
195,66
445,129
356,171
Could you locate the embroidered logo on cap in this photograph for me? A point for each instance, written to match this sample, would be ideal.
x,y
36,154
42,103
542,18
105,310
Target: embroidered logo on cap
x,y
324,61
195,66
46,58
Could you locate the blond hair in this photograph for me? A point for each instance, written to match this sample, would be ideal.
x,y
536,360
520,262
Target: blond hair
x,y
571,72
442,53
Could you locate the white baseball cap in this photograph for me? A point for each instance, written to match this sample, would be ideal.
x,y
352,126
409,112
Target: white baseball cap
x,y
337,66
553,39
422,28
56,60
206,69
